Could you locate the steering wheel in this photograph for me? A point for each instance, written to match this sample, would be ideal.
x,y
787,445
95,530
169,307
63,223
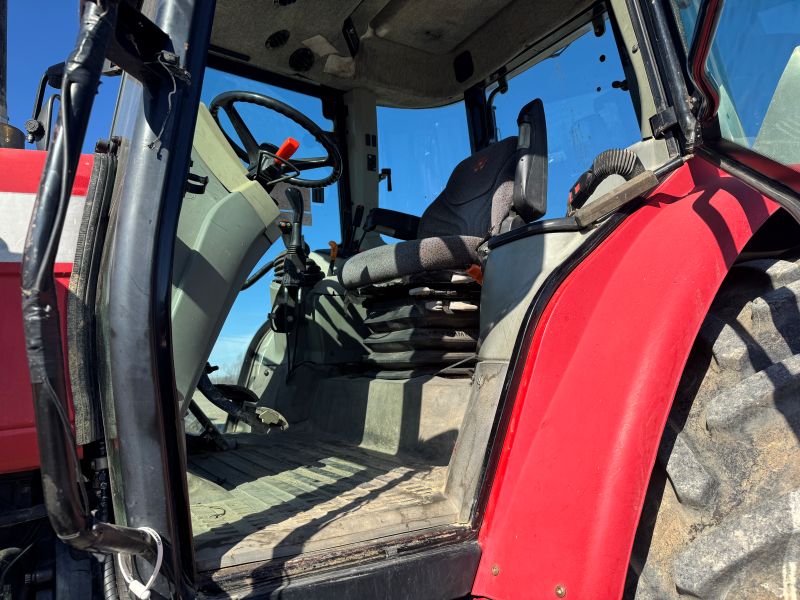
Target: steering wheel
x,y
253,152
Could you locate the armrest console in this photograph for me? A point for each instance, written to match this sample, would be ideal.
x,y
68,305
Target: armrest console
x,y
393,223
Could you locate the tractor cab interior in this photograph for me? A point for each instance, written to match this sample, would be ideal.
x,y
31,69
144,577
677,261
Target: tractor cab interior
x,y
360,375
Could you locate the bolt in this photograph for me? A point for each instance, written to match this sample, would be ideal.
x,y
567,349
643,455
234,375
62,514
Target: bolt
x,y
32,126
635,48
495,570
561,591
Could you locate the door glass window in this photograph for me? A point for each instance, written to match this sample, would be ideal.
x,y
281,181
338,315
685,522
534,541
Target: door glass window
x,y
422,147
268,126
755,63
586,114
252,305
587,107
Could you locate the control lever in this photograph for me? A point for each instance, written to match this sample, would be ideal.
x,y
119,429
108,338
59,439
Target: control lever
x,y
295,260
295,199
270,167
297,271
295,252
247,412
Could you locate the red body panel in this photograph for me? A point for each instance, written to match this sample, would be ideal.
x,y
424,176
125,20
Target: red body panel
x,y
18,449
22,170
598,383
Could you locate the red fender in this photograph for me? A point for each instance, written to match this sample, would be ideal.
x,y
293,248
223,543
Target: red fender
x,y
598,382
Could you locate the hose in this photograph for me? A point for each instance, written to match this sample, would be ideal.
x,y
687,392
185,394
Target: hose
x,y
620,161
103,487
110,591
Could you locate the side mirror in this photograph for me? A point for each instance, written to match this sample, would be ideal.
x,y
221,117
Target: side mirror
x,y
704,32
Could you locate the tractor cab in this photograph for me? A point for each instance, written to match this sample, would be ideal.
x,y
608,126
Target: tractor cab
x,y
314,252
373,199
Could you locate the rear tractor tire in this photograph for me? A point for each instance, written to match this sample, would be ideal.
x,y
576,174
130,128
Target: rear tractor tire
x,y
722,513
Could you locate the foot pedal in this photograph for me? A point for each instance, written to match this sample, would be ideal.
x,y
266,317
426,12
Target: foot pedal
x,y
239,403
272,418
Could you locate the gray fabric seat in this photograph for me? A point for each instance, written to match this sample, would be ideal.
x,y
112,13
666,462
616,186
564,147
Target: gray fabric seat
x,y
472,205
385,263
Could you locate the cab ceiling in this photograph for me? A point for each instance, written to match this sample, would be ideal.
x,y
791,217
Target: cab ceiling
x,y
406,48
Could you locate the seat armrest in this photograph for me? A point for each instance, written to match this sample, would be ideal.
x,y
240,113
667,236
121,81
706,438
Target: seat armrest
x,y
393,223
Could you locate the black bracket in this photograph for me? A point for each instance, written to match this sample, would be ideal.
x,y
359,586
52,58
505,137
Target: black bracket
x,y
662,121
139,47
351,36
598,20
386,173
196,184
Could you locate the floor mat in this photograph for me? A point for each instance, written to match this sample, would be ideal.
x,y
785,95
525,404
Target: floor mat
x,y
289,492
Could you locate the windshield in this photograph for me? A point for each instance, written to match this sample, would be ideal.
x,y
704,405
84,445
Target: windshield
x,y
588,110
422,146
250,309
586,103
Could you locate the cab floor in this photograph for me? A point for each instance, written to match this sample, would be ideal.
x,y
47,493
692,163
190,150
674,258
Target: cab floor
x,y
290,493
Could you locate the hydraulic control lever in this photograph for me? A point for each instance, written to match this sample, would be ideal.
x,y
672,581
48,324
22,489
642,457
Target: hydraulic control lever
x,y
294,264
295,199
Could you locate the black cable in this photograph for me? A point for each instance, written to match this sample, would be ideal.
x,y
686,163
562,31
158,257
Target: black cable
x,y
48,260
64,420
169,102
52,244
49,119
253,279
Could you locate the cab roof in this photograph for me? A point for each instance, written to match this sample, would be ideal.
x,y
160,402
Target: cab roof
x,y
411,53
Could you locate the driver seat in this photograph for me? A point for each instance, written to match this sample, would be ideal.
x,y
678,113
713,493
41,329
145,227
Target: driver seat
x,y
498,188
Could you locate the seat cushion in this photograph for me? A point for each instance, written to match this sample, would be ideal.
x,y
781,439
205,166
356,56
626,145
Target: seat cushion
x,y
385,263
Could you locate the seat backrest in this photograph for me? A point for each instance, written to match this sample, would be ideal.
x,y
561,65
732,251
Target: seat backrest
x,y
477,196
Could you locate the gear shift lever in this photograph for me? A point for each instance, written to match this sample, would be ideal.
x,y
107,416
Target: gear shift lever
x,y
296,272
295,199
